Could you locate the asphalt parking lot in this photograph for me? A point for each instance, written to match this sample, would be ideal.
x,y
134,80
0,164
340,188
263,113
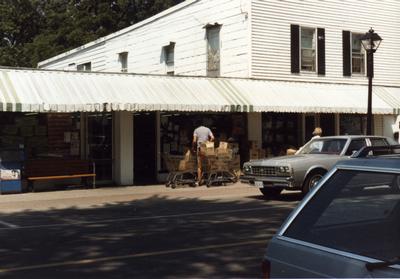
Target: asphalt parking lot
x,y
139,232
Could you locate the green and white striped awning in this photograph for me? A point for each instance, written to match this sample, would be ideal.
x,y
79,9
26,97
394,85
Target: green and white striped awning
x,y
31,90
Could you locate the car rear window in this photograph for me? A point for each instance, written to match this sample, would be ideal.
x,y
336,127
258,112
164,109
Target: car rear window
x,y
354,211
378,142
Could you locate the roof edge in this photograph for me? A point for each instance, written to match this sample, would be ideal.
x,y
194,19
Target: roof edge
x,y
118,33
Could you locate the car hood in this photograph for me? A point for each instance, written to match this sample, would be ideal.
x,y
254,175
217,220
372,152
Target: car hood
x,y
293,159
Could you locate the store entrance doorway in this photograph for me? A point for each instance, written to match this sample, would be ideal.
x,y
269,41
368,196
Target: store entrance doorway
x,y
145,157
99,149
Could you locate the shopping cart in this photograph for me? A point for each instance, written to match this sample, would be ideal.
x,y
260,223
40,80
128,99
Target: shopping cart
x,y
221,171
181,173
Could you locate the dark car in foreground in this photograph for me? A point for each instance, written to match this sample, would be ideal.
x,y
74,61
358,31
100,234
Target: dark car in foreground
x,y
346,227
304,169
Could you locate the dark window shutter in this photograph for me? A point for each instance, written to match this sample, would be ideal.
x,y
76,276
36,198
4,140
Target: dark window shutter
x,y
346,54
295,48
321,51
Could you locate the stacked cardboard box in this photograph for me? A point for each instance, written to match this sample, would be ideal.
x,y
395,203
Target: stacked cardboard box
x,y
207,148
234,146
188,163
224,152
256,152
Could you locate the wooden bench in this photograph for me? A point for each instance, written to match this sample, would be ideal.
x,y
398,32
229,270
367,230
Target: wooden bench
x,y
54,169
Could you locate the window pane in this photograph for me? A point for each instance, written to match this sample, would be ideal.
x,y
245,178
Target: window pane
x,y
378,142
123,60
84,67
355,145
357,54
355,212
308,49
352,124
169,54
213,51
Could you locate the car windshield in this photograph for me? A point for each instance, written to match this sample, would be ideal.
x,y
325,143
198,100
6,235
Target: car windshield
x,y
323,146
354,211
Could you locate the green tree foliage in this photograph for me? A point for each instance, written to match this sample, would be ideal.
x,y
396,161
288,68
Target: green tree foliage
x,y
34,30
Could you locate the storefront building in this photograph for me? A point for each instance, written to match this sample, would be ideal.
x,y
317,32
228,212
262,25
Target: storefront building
x,y
127,123
279,65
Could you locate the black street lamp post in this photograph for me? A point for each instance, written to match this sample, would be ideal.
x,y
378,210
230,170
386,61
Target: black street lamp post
x,y
370,42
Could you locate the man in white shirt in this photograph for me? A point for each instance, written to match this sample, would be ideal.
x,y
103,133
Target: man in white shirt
x,y
201,134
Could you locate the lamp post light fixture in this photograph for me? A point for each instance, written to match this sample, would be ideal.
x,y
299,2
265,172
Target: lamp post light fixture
x,y
370,41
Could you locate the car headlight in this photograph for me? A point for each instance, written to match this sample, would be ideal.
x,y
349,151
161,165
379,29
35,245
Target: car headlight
x,y
247,169
283,169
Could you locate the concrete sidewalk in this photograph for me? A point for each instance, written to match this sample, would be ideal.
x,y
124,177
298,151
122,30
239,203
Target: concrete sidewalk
x,y
86,198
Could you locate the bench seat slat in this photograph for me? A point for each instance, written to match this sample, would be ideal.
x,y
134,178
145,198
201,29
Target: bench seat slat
x,y
61,176
53,169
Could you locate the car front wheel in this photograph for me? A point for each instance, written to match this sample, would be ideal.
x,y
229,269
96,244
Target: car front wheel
x,y
271,192
312,180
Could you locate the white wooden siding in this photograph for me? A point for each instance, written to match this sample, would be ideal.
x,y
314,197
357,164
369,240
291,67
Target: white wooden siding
x,y
185,28
270,25
95,55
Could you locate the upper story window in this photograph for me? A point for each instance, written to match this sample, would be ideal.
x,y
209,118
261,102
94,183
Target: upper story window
x,y
213,49
169,58
86,67
123,61
169,54
353,54
357,55
307,50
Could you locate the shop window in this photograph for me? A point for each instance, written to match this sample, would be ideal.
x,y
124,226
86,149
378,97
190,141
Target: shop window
x,y
123,61
327,123
352,124
280,132
41,135
213,50
86,67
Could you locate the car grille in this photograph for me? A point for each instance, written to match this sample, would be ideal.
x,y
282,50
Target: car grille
x,y
266,171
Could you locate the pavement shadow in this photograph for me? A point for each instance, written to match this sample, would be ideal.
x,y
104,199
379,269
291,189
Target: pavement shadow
x,y
158,237
286,197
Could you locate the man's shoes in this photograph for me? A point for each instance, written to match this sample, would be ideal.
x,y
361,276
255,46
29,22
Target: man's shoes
x,y
196,184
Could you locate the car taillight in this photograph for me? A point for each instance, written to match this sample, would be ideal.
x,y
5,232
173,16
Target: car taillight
x,y
266,269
